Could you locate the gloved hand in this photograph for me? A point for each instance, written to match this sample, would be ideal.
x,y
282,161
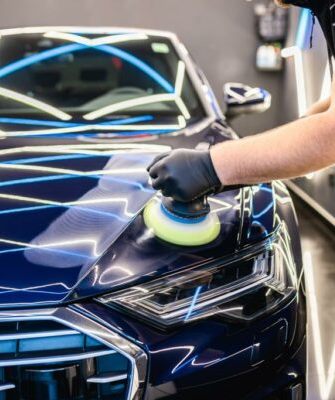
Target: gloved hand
x,y
184,175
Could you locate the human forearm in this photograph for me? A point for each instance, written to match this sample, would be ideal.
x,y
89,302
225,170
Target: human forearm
x,y
292,150
319,107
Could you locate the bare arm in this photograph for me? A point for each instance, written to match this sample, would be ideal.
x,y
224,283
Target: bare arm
x,y
292,150
295,149
319,107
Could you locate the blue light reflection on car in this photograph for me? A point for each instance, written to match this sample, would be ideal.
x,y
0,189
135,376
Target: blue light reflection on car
x,y
61,124
203,353
70,48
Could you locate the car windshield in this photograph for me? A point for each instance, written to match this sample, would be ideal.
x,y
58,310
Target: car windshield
x,y
94,77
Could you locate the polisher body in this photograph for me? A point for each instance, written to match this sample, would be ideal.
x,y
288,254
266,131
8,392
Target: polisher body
x,y
178,230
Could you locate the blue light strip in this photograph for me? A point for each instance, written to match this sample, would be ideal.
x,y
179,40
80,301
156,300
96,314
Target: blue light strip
x,y
126,121
257,223
304,29
35,58
70,48
139,133
60,124
32,160
24,181
52,158
70,253
36,122
112,134
49,206
264,211
139,64
194,300
175,218
265,188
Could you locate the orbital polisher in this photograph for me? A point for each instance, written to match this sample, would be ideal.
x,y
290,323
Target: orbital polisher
x,y
183,224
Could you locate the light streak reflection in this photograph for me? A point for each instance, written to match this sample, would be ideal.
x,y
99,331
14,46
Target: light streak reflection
x,y
49,246
189,351
62,124
155,98
194,300
37,289
325,378
24,181
128,104
218,360
103,279
69,204
98,127
114,148
54,170
76,222
296,53
29,101
57,51
110,39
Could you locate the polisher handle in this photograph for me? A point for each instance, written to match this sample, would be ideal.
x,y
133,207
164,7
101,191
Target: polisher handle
x,y
194,209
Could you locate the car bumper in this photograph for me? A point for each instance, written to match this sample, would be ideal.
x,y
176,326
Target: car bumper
x,y
265,360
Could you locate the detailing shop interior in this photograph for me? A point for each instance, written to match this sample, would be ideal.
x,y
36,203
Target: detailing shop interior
x,y
167,187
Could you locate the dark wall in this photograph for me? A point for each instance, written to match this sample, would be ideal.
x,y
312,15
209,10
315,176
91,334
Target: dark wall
x,y
218,33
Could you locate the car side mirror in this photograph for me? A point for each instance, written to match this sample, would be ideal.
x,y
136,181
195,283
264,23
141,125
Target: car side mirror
x,y
242,99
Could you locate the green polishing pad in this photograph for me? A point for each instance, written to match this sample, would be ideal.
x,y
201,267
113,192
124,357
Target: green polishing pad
x,y
179,231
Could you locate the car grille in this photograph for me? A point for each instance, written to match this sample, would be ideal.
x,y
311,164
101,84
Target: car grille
x,y
45,360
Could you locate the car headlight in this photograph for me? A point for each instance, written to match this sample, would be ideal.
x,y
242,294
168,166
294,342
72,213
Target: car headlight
x,y
243,287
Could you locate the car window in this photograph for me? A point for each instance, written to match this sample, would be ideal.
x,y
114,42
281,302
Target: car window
x,y
94,76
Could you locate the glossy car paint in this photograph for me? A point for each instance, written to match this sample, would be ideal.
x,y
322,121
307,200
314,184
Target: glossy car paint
x,y
216,356
71,223
71,229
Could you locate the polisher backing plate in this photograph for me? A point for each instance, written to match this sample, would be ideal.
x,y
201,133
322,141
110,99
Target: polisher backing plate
x,y
180,231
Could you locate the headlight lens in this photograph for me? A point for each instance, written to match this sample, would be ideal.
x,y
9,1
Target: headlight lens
x,y
242,287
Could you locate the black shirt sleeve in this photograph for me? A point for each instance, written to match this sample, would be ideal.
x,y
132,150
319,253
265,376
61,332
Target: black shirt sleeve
x,y
314,5
323,10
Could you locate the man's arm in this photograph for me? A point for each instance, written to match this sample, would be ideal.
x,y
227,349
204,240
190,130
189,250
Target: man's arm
x,y
319,107
292,150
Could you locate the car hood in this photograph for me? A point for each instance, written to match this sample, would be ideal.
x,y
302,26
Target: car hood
x,y
71,224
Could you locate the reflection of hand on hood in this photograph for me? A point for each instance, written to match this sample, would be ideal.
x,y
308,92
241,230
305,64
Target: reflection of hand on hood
x,y
90,225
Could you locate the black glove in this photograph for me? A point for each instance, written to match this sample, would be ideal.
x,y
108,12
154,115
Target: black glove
x,y
184,175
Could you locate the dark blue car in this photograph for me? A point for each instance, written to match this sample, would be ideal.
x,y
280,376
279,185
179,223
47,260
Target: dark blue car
x,y
92,304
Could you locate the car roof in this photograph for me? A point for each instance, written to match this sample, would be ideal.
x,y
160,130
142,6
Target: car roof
x,y
85,29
